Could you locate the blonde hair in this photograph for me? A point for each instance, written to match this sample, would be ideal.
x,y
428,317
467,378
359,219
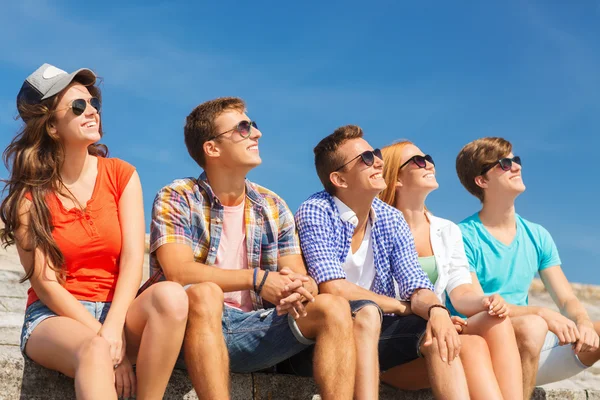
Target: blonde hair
x,y
392,156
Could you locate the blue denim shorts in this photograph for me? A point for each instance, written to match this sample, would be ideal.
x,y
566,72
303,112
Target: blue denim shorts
x,y
37,312
398,342
258,340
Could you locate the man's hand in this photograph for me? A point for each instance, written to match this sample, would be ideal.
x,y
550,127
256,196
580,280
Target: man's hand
x,y
441,328
561,326
459,323
297,294
495,305
588,338
125,381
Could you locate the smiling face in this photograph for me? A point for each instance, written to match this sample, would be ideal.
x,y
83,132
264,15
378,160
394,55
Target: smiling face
x,y
231,149
411,178
74,129
357,177
497,182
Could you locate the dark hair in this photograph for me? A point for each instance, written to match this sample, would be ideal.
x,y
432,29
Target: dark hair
x,y
33,159
200,124
477,155
327,158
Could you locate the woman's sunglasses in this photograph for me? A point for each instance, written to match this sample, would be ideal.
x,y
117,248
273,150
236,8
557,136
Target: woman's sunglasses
x,y
505,163
79,105
368,157
420,161
243,128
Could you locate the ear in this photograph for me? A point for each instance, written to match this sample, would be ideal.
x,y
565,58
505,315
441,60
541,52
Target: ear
x,y
338,180
399,183
51,128
211,149
481,182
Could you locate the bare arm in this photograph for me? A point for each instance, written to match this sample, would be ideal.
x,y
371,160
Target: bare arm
x,y
43,280
350,291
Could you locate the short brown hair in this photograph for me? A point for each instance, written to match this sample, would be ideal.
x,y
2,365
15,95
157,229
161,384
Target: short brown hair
x,y
476,156
200,124
327,158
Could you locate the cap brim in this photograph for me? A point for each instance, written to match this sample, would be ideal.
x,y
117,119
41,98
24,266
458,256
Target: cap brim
x,y
84,76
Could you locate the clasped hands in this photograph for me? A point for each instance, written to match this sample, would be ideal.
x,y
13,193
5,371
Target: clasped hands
x,y
286,290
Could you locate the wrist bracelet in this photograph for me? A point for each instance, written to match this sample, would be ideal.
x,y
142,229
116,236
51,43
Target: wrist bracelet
x,y
262,283
254,279
437,306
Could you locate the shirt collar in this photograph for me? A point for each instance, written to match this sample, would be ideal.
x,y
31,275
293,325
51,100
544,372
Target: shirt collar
x,y
348,215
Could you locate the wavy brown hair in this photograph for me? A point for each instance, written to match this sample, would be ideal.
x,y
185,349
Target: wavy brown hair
x,y
33,159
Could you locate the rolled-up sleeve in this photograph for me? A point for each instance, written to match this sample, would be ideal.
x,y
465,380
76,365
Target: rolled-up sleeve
x,y
458,273
405,264
317,241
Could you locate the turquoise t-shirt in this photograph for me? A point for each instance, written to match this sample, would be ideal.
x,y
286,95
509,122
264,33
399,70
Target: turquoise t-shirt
x,y
507,270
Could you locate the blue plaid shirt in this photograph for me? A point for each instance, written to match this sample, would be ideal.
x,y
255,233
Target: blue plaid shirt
x,y
325,241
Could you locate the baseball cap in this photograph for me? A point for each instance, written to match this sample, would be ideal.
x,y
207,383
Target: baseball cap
x,y
47,81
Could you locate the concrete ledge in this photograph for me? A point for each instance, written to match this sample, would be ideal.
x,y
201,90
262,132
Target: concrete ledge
x,y
20,379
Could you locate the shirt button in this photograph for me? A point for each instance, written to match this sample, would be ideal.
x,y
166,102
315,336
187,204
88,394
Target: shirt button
x,y
213,248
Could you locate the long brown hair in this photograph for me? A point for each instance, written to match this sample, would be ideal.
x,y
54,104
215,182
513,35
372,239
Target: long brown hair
x,y
392,157
33,159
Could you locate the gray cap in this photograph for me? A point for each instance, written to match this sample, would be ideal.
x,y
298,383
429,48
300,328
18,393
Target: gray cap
x,y
48,81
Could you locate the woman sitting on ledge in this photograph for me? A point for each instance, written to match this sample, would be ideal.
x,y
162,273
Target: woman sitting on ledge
x,y
77,220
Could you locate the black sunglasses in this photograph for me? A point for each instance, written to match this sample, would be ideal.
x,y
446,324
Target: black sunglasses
x,y
420,161
79,105
243,128
505,163
368,157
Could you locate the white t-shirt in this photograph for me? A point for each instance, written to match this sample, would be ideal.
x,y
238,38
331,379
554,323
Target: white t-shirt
x,y
359,266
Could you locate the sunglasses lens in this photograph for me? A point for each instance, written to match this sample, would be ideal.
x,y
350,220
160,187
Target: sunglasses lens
x,y
420,161
517,159
429,159
254,124
377,153
368,158
506,164
95,102
78,106
244,127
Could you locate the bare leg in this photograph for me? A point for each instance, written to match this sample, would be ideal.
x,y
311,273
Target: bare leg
x,y
479,371
409,376
590,358
530,331
65,345
329,321
155,326
206,355
367,327
447,381
500,338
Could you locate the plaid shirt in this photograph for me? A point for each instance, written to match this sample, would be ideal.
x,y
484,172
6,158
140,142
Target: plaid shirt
x,y
325,240
188,212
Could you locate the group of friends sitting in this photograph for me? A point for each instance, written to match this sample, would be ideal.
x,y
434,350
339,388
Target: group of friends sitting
x,y
362,285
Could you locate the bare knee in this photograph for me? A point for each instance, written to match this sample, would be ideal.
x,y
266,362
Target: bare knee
x,y
333,311
96,348
170,300
473,344
205,301
530,331
367,321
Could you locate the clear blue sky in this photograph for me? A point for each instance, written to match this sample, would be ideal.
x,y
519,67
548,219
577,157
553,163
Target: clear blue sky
x,y
440,74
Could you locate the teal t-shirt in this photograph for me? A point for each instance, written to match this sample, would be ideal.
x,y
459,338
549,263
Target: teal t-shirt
x,y
507,270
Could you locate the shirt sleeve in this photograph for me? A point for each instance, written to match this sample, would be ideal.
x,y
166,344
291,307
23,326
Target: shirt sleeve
x,y
406,269
549,252
317,242
458,274
123,172
288,242
469,252
171,219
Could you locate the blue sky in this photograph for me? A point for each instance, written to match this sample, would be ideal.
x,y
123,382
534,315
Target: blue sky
x,y
439,73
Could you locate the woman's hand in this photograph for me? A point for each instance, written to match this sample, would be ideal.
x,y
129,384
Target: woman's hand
x,y
125,381
495,305
116,339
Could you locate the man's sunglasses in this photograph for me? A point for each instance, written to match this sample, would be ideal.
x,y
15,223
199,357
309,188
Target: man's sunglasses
x,y
79,105
368,157
505,163
243,128
420,161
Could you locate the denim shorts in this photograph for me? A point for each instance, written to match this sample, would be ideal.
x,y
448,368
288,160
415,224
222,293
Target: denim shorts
x,y
37,312
257,340
399,342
